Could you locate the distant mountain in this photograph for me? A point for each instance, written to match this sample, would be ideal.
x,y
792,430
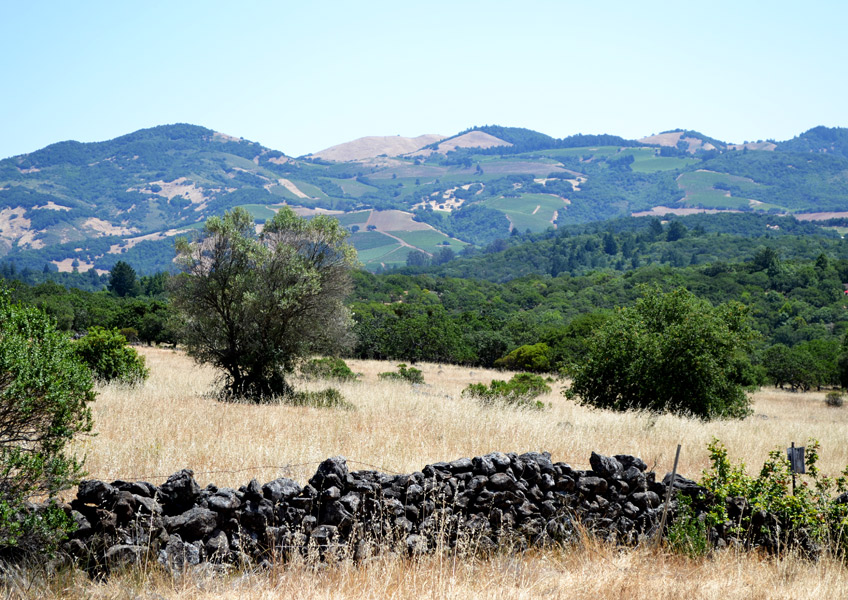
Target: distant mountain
x,y
74,205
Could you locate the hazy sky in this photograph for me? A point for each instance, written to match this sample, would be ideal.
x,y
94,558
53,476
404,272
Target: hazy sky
x,y
301,76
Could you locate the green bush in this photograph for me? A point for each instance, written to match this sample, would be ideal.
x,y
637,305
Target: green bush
x,y
404,373
106,353
329,398
327,368
535,358
44,397
834,399
519,391
811,511
687,534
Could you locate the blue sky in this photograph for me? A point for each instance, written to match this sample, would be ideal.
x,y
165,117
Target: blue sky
x,y
301,76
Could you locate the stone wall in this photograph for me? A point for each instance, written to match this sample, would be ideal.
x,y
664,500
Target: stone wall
x,y
476,503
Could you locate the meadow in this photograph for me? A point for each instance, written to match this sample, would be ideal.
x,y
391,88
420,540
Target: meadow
x,y
173,422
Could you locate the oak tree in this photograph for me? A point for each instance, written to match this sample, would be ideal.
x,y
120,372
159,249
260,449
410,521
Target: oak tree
x,y
253,304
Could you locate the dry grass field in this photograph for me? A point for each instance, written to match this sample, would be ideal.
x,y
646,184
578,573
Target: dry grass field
x,y
173,422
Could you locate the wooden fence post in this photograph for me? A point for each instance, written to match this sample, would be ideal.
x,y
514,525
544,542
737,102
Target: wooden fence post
x,y
668,497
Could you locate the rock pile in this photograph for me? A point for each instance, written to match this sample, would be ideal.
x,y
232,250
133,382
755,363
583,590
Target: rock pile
x,y
483,501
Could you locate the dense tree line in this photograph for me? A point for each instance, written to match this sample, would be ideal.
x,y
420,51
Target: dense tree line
x,y
625,244
514,308
799,305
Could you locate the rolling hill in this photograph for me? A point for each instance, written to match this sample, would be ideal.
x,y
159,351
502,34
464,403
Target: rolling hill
x,y
85,206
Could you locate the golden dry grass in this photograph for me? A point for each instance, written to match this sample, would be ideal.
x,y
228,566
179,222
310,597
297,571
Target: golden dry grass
x,y
172,422
590,572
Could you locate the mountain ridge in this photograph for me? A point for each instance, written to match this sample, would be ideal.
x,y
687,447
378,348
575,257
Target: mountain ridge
x,y
90,204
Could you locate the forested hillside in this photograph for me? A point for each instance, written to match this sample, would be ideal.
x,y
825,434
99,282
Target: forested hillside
x,y
86,206
624,244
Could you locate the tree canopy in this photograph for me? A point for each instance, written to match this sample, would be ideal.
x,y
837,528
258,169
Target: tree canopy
x,y
253,304
122,279
670,352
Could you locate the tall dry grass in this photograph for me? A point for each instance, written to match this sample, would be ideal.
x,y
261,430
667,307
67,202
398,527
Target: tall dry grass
x,y
173,422
592,572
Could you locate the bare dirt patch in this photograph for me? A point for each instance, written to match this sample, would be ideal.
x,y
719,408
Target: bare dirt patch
x,y
374,146
446,201
673,138
764,146
52,206
67,265
303,211
150,237
172,189
663,139
223,137
28,240
13,225
395,220
106,228
292,188
820,216
472,139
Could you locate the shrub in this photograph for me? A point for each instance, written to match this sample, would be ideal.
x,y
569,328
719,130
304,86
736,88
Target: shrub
x,y
329,398
44,397
811,512
834,399
327,368
130,333
687,534
519,391
535,358
404,373
106,353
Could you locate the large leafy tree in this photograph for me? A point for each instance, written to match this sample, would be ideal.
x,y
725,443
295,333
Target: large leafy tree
x,y
253,304
670,352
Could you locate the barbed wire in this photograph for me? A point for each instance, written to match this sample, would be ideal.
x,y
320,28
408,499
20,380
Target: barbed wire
x,y
281,468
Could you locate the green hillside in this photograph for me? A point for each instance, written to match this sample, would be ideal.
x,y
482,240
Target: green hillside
x,y
128,197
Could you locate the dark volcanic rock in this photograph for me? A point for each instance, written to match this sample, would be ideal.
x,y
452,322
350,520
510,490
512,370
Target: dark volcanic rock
x,y
592,485
684,486
224,501
280,489
331,472
606,466
124,555
95,492
628,461
493,499
193,524
502,482
180,492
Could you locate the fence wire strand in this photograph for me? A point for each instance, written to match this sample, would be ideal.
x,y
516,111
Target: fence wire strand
x,y
281,468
